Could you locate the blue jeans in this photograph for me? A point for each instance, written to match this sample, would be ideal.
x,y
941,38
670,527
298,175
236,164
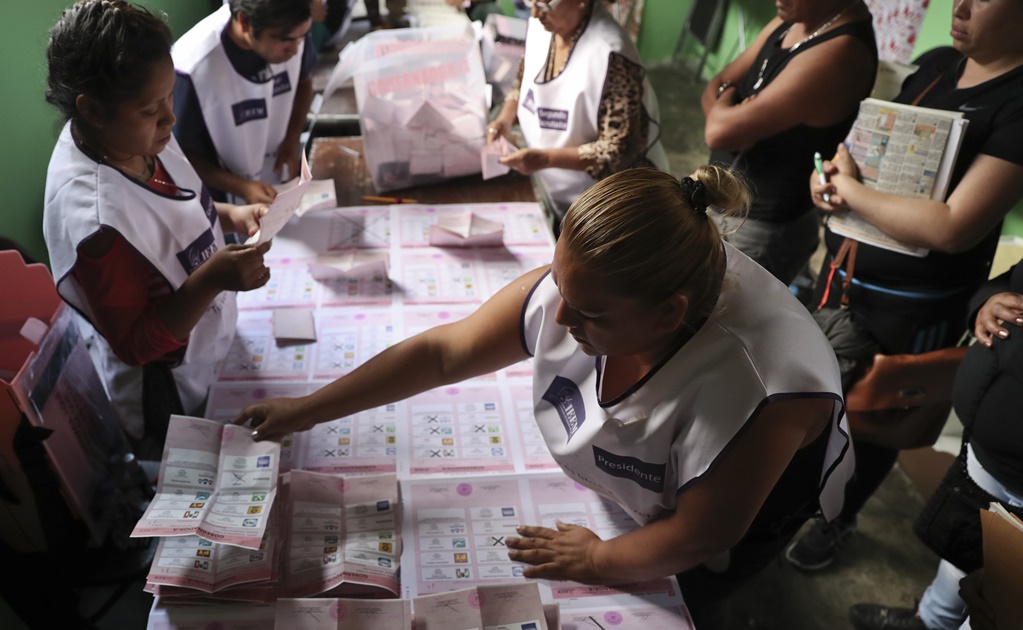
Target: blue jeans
x,y
781,248
941,608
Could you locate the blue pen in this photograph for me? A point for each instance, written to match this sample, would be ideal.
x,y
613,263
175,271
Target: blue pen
x,y
821,177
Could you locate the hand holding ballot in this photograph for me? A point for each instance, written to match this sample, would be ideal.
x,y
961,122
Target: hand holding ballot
x,y
283,207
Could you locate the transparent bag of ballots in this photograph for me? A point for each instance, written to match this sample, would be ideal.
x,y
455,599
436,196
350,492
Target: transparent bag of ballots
x,y
502,44
422,103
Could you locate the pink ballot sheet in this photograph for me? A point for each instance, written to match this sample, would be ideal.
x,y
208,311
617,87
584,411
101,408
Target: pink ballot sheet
x,y
344,614
455,530
226,400
498,607
350,337
215,483
255,355
437,276
342,530
172,616
284,205
290,284
458,429
360,443
524,223
191,562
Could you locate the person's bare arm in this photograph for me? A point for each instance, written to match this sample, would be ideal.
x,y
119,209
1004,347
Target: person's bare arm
x,y
988,190
819,87
485,341
710,517
735,71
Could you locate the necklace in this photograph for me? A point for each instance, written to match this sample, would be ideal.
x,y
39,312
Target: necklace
x,y
550,72
820,29
148,162
147,172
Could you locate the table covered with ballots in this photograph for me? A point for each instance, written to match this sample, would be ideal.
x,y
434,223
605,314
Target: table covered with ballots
x,y
456,469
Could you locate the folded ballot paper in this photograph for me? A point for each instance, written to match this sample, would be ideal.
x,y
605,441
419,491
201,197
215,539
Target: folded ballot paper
x,y
294,325
330,536
215,483
284,206
466,230
490,158
319,193
350,263
422,103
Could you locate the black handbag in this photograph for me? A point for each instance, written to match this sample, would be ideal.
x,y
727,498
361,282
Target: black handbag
x,y
950,521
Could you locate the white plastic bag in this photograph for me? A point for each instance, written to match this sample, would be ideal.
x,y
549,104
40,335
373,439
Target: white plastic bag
x,y
421,98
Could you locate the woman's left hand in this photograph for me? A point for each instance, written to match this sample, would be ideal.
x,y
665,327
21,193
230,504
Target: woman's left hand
x,y
566,553
527,161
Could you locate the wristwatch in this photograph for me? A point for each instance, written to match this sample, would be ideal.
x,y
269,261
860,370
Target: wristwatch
x,y
724,86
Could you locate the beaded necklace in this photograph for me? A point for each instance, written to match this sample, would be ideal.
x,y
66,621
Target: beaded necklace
x,y
821,29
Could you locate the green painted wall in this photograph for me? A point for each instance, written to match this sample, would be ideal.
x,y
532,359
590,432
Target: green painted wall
x,y
28,124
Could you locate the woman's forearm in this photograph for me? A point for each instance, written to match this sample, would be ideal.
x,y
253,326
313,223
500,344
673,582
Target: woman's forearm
x,y
919,222
658,549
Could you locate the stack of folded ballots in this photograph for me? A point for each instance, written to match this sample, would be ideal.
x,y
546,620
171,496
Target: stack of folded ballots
x,y
232,529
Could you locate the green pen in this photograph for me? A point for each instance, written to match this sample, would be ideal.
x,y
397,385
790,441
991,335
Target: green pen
x,y
819,165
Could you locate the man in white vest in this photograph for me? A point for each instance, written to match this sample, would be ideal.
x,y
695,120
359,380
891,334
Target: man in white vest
x,y
243,90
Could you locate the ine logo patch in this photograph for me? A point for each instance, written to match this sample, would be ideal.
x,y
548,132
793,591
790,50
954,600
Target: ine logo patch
x,y
197,252
647,475
530,102
568,401
245,111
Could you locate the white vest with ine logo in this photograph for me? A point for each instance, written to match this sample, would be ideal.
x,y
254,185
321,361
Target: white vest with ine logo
x,y
563,112
176,234
667,431
247,117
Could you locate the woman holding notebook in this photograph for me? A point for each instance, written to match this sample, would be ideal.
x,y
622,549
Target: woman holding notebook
x,y
899,303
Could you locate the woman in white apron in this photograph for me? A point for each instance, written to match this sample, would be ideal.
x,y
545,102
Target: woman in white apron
x,y
135,242
671,374
582,101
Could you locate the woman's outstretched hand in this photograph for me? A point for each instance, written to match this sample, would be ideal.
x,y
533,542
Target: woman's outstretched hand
x,y
275,418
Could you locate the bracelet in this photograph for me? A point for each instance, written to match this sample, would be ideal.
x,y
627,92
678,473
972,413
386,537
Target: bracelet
x,y
724,86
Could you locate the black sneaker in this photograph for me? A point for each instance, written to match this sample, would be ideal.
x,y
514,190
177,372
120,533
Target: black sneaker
x,y
818,547
877,617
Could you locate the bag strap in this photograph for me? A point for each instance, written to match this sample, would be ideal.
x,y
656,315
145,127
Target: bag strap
x,y
846,254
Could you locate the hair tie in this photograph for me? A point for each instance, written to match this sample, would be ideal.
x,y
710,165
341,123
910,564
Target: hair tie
x,y
695,193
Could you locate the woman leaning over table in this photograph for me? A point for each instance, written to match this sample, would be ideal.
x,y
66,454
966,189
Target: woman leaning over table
x,y
904,304
582,100
135,241
671,374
